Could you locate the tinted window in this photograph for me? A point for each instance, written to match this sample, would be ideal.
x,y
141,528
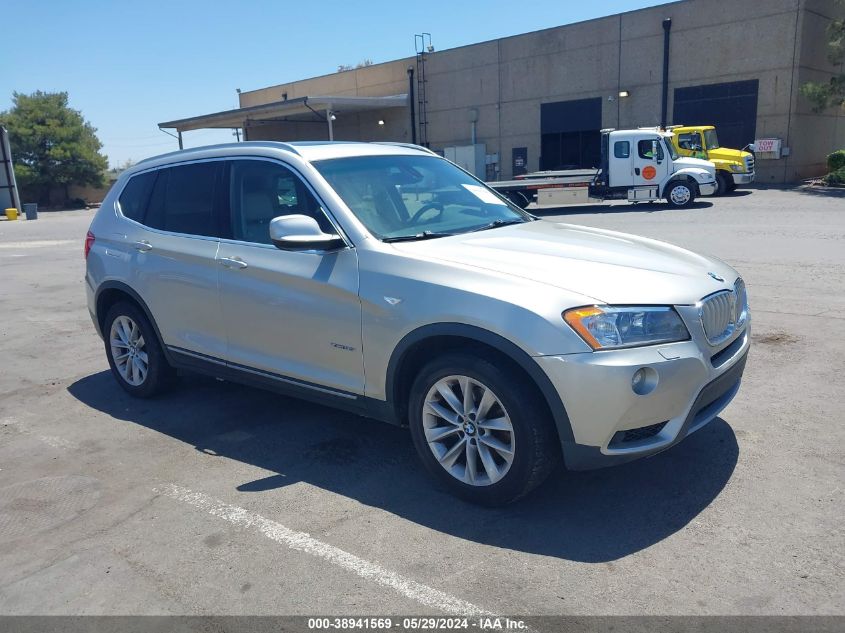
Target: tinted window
x,y
622,149
646,150
182,199
133,198
260,191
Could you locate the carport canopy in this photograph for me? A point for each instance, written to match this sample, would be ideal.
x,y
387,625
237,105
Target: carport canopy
x,y
300,109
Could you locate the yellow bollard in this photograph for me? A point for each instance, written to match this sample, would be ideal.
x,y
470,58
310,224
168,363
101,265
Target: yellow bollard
x,y
11,214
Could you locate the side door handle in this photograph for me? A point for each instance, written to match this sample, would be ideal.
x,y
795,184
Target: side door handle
x,y
143,246
637,171
233,262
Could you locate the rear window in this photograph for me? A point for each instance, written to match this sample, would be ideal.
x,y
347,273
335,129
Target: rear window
x,y
621,149
133,198
182,200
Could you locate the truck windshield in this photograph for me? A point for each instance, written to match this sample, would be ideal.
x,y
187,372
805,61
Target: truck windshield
x,y
401,198
711,140
670,148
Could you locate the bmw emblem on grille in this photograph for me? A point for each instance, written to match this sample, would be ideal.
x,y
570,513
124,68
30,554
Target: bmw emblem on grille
x,y
716,277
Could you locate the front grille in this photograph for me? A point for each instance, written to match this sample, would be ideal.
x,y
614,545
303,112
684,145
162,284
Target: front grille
x,y
724,312
636,435
749,164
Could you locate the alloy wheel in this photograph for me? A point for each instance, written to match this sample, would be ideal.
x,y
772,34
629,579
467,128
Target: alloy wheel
x,y
128,350
468,430
680,194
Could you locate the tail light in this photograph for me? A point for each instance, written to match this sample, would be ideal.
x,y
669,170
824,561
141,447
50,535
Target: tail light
x,y
89,242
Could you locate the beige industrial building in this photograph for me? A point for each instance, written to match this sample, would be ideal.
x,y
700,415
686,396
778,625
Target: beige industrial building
x,y
538,100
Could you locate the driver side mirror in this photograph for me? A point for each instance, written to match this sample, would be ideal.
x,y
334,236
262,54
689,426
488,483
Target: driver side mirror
x,y
302,233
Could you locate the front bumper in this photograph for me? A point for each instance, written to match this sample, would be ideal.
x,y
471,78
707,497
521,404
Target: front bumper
x,y
743,179
707,188
612,424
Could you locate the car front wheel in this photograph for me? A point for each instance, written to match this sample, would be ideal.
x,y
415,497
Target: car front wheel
x,y
479,430
133,351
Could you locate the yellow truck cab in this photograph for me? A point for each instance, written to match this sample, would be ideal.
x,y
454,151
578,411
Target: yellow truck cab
x,y
733,166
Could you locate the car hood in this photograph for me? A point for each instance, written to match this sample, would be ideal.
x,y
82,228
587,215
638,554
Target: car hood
x,y
610,267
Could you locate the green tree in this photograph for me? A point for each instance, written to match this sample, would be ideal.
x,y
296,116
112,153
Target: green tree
x,y
831,93
52,145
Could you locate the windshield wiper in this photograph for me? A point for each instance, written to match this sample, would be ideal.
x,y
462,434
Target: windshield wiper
x,y
425,235
497,223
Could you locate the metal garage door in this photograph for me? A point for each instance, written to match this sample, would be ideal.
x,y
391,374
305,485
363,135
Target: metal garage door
x,y
731,107
570,136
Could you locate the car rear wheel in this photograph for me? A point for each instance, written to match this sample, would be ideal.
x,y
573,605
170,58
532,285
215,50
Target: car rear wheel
x,y
680,194
479,430
133,351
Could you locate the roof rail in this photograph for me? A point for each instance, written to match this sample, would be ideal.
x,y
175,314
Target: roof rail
x,y
408,145
607,129
193,150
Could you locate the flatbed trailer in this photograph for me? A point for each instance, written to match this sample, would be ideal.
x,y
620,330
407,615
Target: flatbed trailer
x,y
637,166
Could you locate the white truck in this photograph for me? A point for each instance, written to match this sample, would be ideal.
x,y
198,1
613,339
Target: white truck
x,y
636,165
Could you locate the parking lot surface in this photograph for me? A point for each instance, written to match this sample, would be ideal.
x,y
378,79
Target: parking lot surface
x,y
221,499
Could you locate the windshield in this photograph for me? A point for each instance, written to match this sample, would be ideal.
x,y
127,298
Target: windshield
x,y
423,196
711,140
670,148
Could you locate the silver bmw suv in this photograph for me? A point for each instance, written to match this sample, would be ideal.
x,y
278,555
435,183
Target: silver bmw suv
x,y
385,280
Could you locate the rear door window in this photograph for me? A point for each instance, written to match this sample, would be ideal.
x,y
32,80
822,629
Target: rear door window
x,y
133,199
183,199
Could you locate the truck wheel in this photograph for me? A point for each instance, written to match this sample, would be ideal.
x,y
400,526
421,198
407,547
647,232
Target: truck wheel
x,y
479,429
680,194
723,183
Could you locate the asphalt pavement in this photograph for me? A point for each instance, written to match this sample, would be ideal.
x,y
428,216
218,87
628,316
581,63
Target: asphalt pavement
x,y
221,499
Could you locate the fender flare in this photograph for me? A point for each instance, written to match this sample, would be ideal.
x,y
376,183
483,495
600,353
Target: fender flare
x,y
126,289
682,175
503,345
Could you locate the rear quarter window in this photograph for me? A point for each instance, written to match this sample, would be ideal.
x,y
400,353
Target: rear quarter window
x,y
622,149
135,195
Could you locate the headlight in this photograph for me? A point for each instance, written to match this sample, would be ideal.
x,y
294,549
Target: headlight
x,y
607,327
738,168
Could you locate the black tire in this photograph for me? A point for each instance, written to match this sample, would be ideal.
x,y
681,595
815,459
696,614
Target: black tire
x,y
680,201
723,183
160,375
732,186
536,448
519,199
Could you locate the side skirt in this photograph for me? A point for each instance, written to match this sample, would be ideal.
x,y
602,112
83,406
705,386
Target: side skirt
x,y
217,368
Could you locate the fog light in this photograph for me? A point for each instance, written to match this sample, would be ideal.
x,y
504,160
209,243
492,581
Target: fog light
x,y
644,381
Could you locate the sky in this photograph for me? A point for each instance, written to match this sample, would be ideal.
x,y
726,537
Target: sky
x,y
129,65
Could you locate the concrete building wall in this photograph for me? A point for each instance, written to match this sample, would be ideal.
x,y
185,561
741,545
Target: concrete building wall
x,y
503,83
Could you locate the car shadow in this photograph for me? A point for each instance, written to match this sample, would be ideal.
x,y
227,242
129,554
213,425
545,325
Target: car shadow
x,y
618,207
593,516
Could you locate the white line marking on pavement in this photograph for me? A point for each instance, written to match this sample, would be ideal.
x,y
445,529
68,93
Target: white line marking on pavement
x,y
51,440
38,243
303,542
